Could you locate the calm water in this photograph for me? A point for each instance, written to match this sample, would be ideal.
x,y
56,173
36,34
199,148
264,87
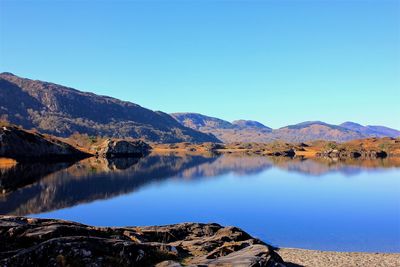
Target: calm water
x,y
352,206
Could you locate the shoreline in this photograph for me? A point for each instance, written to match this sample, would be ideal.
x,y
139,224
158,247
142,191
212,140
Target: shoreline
x,y
333,251
305,257
59,242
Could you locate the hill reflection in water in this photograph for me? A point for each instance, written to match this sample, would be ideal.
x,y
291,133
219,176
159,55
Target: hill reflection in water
x,y
48,187
322,204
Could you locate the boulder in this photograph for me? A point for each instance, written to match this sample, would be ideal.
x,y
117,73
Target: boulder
x,y
48,242
122,148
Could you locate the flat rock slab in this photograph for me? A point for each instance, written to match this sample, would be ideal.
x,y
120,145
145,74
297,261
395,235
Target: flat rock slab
x,y
47,242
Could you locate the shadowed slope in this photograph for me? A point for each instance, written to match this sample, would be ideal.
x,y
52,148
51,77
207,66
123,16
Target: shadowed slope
x,y
60,110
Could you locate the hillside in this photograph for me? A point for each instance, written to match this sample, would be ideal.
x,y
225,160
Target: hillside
x,y
237,131
19,144
373,131
249,124
253,131
61,111
316,130
201,122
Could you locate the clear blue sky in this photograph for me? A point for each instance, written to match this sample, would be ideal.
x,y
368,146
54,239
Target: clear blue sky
x,y
278,62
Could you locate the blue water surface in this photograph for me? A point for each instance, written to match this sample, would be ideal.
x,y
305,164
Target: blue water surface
x,y
286,203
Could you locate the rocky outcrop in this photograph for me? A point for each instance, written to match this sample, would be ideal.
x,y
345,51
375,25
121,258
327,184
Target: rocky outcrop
x,y
46,242
19,144
122,148
343,153
285,153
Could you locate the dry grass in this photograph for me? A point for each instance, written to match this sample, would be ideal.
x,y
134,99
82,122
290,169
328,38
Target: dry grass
x,y
6,163
307,150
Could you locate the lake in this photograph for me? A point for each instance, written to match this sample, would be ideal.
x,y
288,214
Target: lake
x,y
313,204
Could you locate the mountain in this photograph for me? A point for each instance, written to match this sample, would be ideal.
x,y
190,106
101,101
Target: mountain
x,y
61,111
253,131
316,130
201,122
378,131
237,131
248,124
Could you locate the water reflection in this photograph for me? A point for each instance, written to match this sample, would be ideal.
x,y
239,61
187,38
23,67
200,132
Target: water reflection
x,y
62,185
39,187
323,166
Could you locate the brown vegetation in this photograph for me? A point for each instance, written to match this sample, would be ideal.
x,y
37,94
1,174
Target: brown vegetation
x,y
367,147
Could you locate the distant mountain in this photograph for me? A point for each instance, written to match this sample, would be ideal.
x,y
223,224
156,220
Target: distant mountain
x,y
316,130
306,124
248,124
253,131
201,122
61,111
378,131
238,131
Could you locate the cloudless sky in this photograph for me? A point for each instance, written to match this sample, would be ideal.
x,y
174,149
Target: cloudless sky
x,y
278,62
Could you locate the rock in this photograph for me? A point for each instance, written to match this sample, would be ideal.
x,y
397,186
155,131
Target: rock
x,y
213,146
343,153
284,153
381,154
355,154
47,242
20,144
289,153
121,148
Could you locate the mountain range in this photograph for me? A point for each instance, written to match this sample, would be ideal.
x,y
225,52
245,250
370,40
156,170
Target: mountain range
x,y
252,131
61,111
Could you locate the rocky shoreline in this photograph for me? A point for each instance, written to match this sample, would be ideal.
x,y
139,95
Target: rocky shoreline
x,y
48,242
21,144
371,148
24,145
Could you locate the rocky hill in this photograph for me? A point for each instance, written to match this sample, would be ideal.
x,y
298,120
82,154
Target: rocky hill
x,y
17,143
370,130
253,131
61,111
249,124
202,122
237,131
316,130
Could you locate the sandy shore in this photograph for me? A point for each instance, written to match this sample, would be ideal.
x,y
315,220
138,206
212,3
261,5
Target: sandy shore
x,y
303,257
